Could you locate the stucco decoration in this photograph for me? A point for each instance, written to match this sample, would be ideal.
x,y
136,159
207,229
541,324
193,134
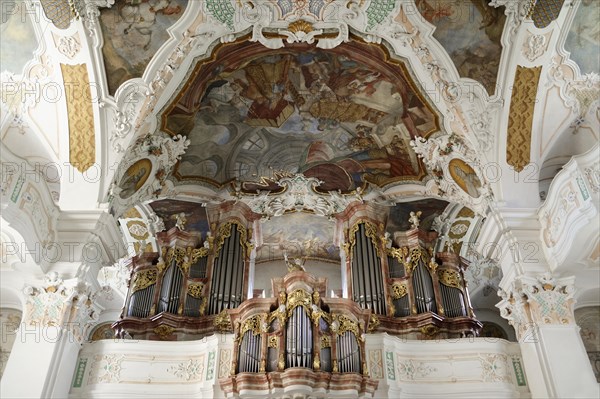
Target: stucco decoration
x,y
533,301
299,195
61,304
520,120
82,137
161,153
442,156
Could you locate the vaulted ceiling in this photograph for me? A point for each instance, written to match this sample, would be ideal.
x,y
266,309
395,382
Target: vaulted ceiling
x,y
446,106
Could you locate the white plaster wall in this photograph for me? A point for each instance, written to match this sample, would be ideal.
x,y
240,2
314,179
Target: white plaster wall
x,y
459,368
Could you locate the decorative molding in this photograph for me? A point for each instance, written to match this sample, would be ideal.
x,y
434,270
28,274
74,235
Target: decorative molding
x,y
410,370
299,195
520,119
162,152
535,45
82,136
516,11
69,46
190,370
572,204
439,153
63,304
533,301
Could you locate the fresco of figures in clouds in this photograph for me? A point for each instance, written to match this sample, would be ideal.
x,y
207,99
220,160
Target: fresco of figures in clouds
x,y
470,31
17,37
583,41
335,115
133,32
300,235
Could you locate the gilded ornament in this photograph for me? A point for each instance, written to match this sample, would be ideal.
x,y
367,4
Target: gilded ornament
x,y
399,289
299,298
253,324
370,231
223,322
325,341
143,279
317,362
195,290
82,141
300,26
430,330
163,331
273,341
373,323
450,278
281,362
520,120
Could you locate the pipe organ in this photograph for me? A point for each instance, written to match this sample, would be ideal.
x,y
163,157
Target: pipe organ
x,y
410,290
193,286
298,336
179,291
367,278
228,271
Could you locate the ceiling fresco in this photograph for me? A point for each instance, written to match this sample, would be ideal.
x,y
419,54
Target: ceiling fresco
x,y
196,219
470,31
583,40
341,116
299,235
17,37
133,31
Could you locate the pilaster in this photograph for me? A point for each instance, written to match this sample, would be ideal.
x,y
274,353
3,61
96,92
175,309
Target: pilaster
x,y
58,315
540,308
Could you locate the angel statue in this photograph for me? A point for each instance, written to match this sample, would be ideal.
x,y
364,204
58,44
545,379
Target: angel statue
x,y
296,265
180,220
414,219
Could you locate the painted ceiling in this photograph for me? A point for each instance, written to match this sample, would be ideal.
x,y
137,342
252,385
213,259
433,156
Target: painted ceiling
x,y
340,115
470,31
133,32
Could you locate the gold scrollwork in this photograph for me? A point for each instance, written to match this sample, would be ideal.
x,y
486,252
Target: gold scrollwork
x,y
202,308
399,289
370,231
143,279
317,362
223,321
273,341
451,278
399,253
195,290
417,255
163,331
344,324
373,323
253,324
225,231
299,298
175,253
325,341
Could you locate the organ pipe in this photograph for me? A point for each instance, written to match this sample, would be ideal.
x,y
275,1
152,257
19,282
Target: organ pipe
x,y
367,278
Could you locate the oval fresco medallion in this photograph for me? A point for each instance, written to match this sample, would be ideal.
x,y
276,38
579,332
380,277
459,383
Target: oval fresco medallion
x,y
465,177
135,177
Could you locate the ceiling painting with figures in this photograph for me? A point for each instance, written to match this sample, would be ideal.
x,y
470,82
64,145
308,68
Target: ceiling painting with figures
x,y
335,115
